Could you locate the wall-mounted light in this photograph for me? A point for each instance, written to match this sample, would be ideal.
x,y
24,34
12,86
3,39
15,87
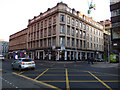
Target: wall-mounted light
x,y
115,44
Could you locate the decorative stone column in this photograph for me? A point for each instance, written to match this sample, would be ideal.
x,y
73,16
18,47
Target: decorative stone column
x,y
65,55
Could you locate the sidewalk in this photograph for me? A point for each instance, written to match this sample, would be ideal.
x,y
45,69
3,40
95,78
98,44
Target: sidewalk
x,y
106,65
96,64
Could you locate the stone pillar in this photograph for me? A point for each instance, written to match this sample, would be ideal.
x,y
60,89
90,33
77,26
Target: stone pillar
x,y
73,55
49,56
80,55
77,55
43,55
93,55
38,55
57,55
65,55
85,55
70,55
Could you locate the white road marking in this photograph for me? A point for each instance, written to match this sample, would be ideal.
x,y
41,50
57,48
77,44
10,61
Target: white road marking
x,y
8,82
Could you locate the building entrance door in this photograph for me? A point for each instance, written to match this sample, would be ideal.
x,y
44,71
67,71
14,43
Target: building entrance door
x,y
78,55
68,55
41,55
83,56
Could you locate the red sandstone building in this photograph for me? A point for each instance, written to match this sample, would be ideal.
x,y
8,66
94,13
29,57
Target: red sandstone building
x,y
62,33
18,43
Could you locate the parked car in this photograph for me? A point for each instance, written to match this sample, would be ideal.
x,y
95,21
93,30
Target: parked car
x,y
23,63
99,60
2,57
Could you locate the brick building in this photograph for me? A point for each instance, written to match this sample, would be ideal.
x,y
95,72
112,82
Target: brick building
x,y
18,43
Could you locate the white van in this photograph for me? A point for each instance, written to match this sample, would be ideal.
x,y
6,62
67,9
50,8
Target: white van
x,y
2,57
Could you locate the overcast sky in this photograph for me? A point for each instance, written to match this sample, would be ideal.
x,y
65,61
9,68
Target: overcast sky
x,y
14,14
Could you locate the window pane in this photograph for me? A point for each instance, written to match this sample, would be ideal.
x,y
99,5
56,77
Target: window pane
x,y
80,43
76,32
62,41
80,34
62,18
68,30
72,21
68,42
62,29
77,44
72,42
68,19
72,31
84,35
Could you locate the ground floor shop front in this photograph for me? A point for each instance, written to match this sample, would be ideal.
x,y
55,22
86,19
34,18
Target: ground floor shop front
x,y
62,55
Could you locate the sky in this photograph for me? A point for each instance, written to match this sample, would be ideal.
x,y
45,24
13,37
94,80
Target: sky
x,y
14,14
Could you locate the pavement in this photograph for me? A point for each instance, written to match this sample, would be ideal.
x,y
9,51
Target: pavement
x,y
106,65
96,64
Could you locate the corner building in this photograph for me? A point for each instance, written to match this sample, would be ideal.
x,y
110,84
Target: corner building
x,y
62,33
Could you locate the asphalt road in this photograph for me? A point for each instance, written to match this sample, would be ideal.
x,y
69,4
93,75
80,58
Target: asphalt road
x,y
62,75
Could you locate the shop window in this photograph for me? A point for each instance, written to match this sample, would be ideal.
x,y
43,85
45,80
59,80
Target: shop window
x,y
72,42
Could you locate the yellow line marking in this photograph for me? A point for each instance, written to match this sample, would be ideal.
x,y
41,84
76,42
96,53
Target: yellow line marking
x,y
81,81
57,68
69,75
100,81
41,74
21,72
38,81
107,74
54,81
67,80
35,74
112,81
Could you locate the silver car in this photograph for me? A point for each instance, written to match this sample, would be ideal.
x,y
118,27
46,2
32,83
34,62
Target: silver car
x,y
23,63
